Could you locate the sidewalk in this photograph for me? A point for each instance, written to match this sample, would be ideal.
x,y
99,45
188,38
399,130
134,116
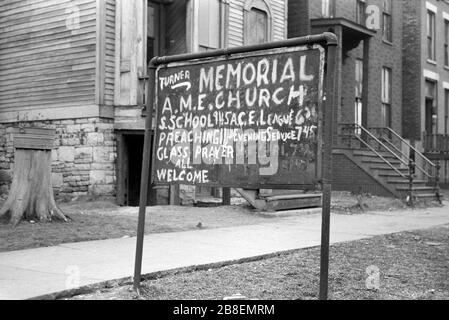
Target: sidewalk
x,y
35,272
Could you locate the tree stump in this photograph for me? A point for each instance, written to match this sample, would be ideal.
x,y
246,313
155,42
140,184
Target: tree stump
x,y
31,195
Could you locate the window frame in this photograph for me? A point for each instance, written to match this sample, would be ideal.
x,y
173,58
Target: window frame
x,y
361,12
430,35
387,96
261,5
220,27
387,20
446,111
327,8
446,43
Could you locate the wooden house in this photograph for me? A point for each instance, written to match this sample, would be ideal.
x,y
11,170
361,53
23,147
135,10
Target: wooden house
x,y
80,66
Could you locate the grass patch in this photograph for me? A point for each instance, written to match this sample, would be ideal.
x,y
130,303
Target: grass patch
x,y
412,265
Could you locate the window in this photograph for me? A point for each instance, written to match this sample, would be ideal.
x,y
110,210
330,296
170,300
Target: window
x,y
387,33
446,43
431,35
358,92
327,8
446,111
386,97
209,24
153,31
361,12
257,22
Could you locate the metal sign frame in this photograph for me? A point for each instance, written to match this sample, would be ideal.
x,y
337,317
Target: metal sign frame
x,y
329,42
314,181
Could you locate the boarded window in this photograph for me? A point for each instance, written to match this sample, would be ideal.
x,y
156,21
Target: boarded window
x,y
257,22
209,22
258,26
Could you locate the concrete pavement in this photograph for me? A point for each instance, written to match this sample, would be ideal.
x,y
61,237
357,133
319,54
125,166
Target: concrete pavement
x,y
31,273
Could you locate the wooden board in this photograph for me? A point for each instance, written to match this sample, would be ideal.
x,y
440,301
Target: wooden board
x,y
249,121
34,138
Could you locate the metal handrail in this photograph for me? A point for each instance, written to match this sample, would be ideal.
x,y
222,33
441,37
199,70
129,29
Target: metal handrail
x,y
407,144
364,130
408,158
382,157
434,166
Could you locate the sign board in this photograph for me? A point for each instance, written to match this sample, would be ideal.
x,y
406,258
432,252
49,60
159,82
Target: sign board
x,y
34,138
249,117
251,120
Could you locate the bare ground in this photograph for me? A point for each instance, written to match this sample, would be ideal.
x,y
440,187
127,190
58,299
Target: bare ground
x,y
412,265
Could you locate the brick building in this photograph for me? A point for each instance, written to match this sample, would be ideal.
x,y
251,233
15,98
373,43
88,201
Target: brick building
x,y
79,66
378,79
426,78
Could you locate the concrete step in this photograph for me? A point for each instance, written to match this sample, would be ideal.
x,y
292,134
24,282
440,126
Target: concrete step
x,y
382,170
403,183
370,154
390,174
427,197
376,160
417,190
385,166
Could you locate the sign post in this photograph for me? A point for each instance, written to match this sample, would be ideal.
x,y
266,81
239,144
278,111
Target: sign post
x,y
246,117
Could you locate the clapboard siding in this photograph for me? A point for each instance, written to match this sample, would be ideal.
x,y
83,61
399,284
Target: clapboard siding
x,y
109,52
236,21
43,63
279,12
235,32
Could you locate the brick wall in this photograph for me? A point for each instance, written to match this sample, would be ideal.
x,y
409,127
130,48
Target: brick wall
x,y
382,54
83,158
298,18
347,176
411,75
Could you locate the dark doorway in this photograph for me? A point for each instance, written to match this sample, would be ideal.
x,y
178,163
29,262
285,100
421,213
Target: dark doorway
x,y
430,107
135,152
430,128
129,169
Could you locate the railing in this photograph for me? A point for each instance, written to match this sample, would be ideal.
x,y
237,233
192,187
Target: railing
x,y
436,143
354,133
383,141
404,149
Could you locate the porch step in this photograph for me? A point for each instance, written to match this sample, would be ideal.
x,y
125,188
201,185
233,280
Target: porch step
x,y
389,169
371,154
416,188
406,182
428,196
377,160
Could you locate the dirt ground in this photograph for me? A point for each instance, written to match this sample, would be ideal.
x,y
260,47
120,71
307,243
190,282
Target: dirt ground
x,y
98,219
402,266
